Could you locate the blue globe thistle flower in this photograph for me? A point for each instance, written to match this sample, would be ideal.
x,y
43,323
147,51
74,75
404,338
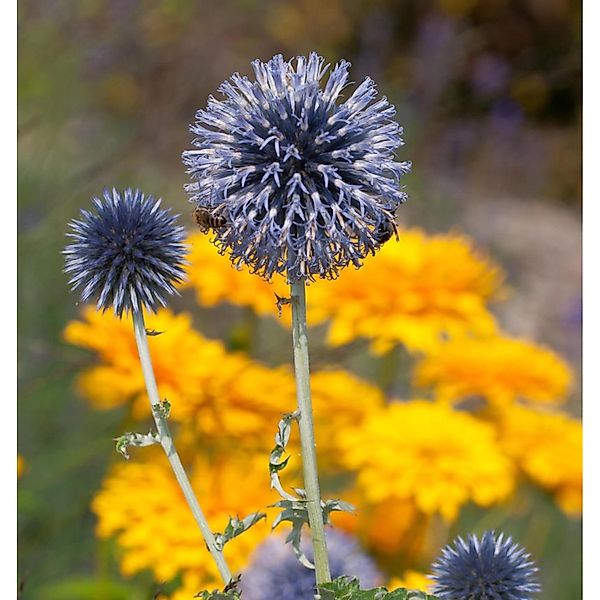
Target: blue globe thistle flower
x,y
128,254
293,181
275,572
493,568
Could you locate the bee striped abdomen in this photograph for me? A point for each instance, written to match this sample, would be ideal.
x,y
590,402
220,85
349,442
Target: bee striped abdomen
x,y
207,221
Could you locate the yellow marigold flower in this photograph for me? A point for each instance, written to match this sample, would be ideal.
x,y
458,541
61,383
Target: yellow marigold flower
x,y
239,398
215,280
341,401
411,580
254,400
180,355
209,388
548,448
501,369
410,293
141,504
430,454
212,392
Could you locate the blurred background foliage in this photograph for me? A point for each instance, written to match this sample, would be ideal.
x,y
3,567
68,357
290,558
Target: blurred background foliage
x,y
489,94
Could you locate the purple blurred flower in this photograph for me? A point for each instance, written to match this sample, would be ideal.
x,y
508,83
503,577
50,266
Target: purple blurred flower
x,y
506,116
489,75
275,572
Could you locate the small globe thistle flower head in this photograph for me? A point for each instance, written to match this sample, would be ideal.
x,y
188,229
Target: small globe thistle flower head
x,y
128,255
275,572
298,182
490,568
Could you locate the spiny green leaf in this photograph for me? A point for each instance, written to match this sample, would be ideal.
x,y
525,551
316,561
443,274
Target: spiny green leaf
x,y
294,509
346,588
230,592
134,439
295,512
218,595
279,466
236,526
294,538
276,461
330,506
284,429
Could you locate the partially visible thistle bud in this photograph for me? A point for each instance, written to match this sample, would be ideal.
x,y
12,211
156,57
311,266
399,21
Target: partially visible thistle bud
x,y
293,180
128,255
482,569
275,572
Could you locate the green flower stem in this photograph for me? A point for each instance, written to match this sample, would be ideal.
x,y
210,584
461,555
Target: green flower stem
x,y
307,434
166,441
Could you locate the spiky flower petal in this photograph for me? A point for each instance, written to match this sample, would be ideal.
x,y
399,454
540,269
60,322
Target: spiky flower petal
x,y
275,572
490,568
297,183
129,254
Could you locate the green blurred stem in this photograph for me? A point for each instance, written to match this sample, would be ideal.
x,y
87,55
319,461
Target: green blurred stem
x,y
166,441
388,369
307,434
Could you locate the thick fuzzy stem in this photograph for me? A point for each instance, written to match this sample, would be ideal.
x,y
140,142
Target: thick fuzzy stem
x,y
307,434
166,441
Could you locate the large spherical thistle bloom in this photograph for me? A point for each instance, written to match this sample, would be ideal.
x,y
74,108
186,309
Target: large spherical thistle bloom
x,y
275,572
128,255
490,568
295,182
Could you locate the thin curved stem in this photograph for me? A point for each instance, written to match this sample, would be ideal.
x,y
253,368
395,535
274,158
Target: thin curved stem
x,y
166,441
307,434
